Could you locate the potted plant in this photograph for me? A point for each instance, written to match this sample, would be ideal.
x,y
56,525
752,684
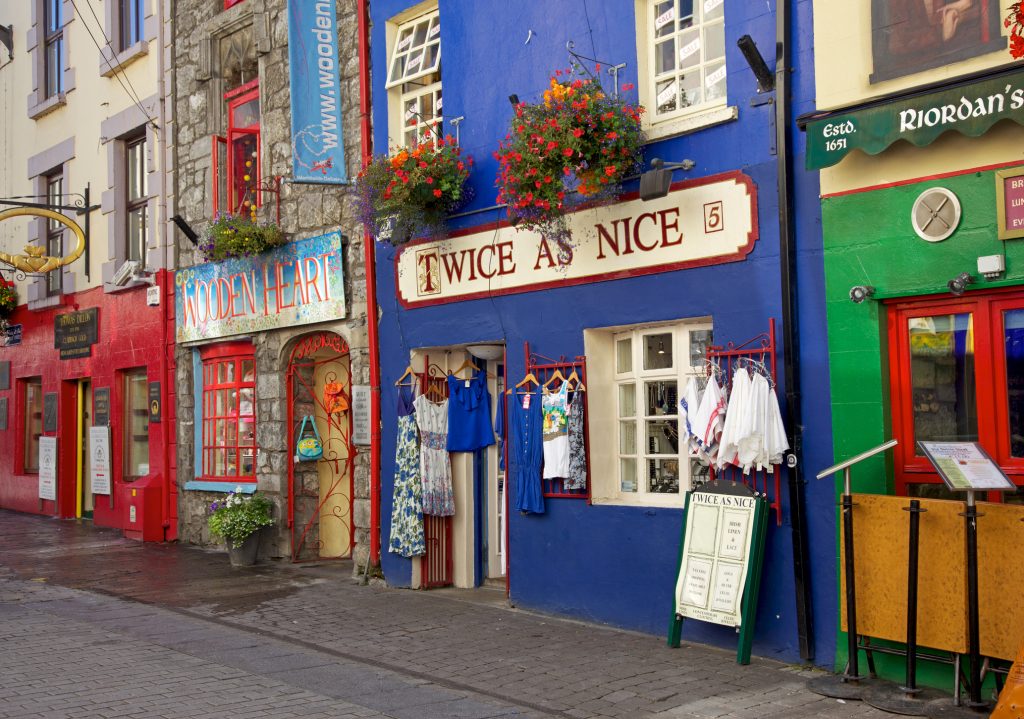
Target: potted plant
x,y
8,298
237,519
575,146
232,236
411,192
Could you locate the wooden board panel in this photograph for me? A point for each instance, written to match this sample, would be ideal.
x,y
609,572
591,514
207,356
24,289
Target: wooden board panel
x,y
1000,578
881,529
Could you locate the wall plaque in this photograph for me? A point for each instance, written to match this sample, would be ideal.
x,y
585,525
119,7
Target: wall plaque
x,y
361,415
5,375
3,413
10,336
154,402
1010,203
50,412
99,459
48,467
101,406
74,333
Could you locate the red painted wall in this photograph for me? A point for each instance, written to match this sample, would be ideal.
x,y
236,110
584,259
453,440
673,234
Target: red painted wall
x,y
131,335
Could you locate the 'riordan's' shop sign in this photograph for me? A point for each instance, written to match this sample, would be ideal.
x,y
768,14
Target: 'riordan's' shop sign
x,y
297,284
701,222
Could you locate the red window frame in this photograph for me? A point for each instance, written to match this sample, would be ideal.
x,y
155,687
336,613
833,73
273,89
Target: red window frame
x,y
992,396
214,357
234,170
231,3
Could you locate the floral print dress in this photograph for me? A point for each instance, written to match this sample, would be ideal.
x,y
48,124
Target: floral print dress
x,y
407,509
435,468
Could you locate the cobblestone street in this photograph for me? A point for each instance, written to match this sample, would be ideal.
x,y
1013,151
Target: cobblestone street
x,y
93,625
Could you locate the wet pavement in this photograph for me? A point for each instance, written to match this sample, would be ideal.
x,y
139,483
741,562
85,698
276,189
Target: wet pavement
x,y
94,625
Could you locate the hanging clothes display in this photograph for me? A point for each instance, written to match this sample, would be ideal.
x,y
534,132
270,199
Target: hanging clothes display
x,y
526,448
469,414
688,405
707,424
577,476
435,469
556,433
407,509
499,429
754,435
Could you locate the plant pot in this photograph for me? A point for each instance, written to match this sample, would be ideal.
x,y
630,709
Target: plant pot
x,y
244,553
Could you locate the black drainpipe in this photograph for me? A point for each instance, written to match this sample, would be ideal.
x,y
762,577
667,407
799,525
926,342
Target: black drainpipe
x,y
791,334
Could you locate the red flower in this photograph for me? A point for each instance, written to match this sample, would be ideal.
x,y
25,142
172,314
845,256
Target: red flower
x,y
430,180
610,170
578,132
628,86
567,152
461,165
437,193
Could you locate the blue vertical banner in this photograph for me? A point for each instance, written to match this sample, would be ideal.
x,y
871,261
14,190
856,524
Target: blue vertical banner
x,y
318,152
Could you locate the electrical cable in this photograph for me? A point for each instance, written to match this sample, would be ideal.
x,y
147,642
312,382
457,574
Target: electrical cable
x,y
133,94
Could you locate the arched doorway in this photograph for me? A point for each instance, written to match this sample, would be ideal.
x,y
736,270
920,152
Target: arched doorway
x,y
320,491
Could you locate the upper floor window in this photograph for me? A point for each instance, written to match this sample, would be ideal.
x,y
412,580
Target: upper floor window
x,y
130,15
54,231
684,41
136,198
53,40
238,160
414,76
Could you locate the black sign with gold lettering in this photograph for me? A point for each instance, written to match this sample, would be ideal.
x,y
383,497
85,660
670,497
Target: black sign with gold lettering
x,y
154,402
74,333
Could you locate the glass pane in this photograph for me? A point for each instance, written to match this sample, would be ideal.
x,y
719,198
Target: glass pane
x,y
689,49
222,400
691,90
219,457
714,82
248,461
685,13
232,401
627,400
662,397
53,15
33,424
663,476
662,436
231,433
942,378
136,170
232,462
714,43
220,438
246,114
665,57
1013,338
54,76
627,437
245,402
246,432
136,438
932,490
624,356
700,473
248,371
658,351
664,18
137,234
713,10
667,95
699,341
627,474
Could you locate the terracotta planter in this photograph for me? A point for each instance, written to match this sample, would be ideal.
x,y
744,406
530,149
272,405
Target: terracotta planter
x,y
244,553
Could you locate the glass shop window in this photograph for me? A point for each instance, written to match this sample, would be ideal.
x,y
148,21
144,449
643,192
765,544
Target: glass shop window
x,y
33,424
135,434
229,413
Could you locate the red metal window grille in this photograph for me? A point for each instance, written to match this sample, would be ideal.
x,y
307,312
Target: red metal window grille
x,y
978,341
236,158
544,368
229,413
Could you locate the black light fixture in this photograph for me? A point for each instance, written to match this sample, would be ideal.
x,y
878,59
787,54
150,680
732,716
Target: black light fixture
x,y
514,99
958,284
661,346
656,182
765,77
185,229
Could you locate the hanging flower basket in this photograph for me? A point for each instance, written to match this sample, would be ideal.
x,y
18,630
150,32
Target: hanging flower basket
x,y
1015,22
231,236
576,146
411,192
8,299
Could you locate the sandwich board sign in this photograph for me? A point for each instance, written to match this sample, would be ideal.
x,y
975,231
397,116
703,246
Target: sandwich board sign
x,y
720,556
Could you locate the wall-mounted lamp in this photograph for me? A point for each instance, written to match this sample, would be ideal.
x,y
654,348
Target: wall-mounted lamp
x,y
514,99
765,77
958,284
185,229
7,39
859,293
656,182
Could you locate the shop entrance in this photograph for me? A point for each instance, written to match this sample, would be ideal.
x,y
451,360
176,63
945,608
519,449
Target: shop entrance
x,y
84,476
320,489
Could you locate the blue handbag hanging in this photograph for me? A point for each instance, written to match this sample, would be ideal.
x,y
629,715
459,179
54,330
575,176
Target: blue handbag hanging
x,y
309,447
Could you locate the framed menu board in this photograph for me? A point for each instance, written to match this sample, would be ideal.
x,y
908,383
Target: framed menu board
x,y
965,466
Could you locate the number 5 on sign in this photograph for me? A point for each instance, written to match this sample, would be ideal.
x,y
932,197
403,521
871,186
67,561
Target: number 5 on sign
x,y
713,219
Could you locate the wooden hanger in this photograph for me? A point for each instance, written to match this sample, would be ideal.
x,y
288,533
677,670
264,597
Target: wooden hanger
x,y
467,364
408,372
557,375
530,377
573,377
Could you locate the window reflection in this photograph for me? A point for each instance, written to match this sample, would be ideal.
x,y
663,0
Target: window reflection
x,y
942,378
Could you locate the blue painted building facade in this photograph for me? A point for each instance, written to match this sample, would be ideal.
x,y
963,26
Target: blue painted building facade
x,y
614,560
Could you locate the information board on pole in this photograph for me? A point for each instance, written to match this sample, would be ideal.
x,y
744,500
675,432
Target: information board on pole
x,y
720,556
48,468
99,459
965,466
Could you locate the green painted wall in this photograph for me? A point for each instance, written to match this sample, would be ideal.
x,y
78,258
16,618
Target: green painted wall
x,y
869,240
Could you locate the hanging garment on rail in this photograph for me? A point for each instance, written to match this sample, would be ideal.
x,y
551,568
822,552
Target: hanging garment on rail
x,y
754,435
526,448
407,509
469,414
707,424
556,433
435,468
688,405
577,477
499,428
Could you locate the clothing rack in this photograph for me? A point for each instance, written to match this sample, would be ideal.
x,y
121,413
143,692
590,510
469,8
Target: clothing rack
x,y
758,351
544,369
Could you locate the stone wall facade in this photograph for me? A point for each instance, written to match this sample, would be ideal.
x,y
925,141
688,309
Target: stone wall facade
x,y
213,48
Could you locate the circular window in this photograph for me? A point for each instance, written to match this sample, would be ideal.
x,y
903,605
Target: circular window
x,y
936,214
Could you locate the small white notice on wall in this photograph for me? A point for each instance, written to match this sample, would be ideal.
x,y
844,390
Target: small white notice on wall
x,y
48,468
99,459
361,414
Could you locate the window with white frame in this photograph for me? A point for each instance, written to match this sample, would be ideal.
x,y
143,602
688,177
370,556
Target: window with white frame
x,y
130,14
136,198
54,231
684,44
414,80
644,370
53,41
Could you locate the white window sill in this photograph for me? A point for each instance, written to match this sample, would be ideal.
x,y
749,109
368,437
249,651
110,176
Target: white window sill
x,y
642,502
662,129
47,106
111,63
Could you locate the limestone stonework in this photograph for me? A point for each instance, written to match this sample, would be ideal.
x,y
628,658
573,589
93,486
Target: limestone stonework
x,y
216,49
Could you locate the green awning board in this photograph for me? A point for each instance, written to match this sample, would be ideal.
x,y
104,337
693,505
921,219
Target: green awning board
x,y
968,109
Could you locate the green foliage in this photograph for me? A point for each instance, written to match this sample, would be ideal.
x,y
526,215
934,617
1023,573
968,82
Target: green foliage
x,y
237,516
8,299
233,236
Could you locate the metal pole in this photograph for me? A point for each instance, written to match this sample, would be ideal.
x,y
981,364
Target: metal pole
x,y
912,562
852,672
974,683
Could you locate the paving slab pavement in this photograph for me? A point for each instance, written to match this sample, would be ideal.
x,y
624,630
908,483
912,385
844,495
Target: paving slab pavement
x,y
92,625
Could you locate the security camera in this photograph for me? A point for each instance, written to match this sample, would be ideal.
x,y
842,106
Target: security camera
x,y
958,284
859,293
125,273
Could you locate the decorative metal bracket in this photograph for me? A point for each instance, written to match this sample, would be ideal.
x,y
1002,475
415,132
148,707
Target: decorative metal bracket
x,y
33,261
613,68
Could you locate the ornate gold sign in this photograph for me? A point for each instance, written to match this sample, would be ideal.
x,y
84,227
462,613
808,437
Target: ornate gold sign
x,y
34,261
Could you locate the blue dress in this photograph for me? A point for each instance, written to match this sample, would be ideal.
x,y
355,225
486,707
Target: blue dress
x,y
469,414
407,511
526,451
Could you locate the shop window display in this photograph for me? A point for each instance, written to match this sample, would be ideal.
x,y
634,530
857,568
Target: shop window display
x,y
229,414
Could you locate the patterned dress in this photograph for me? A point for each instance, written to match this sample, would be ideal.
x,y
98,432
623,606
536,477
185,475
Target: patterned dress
x,y
577,477
407,510
435,469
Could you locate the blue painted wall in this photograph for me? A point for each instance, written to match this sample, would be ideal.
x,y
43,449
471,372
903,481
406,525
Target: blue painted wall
x,y
605,563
